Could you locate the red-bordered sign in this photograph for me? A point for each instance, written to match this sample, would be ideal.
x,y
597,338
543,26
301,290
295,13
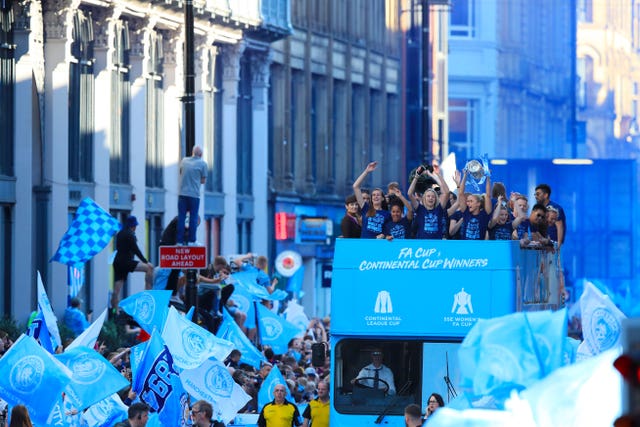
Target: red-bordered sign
x,y
183,257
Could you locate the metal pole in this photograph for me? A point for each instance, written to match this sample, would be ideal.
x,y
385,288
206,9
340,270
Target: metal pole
x,y
426,78
189,122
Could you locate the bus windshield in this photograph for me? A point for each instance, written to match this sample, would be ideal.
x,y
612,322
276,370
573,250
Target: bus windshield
x,y
376,376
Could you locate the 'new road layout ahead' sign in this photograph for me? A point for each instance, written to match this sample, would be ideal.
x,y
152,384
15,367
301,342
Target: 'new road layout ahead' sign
x,y
183,257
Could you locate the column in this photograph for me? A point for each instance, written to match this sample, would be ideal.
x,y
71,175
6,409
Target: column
x,y
231,76
260,63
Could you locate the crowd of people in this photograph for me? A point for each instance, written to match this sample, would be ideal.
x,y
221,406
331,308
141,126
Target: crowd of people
x,y
436,212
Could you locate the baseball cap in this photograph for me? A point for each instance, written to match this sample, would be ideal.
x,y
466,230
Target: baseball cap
x,y
310,371
132,221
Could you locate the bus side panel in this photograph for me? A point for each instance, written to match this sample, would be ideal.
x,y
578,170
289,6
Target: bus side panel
x,y
418,288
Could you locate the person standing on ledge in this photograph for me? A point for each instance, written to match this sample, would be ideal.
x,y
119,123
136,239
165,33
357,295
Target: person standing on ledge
x,y
193,173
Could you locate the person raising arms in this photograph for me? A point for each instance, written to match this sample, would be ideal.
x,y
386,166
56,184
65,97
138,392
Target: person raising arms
x,y
374,214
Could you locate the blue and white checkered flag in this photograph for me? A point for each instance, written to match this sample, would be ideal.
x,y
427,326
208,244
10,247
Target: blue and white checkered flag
x,y
89,233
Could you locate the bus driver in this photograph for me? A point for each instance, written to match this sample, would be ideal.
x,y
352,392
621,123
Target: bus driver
x,y
376,375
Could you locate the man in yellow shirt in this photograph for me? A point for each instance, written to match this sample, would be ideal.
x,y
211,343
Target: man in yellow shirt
x,y
280,412
318,410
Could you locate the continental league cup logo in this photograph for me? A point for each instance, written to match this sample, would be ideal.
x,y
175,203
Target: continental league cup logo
x,y
383,303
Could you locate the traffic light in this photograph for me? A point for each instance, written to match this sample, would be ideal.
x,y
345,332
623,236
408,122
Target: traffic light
x,y
628,364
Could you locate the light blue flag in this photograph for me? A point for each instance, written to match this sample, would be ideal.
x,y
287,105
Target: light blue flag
x,y
137,351
93,377
274,330
587,393
76,276
230,331
498,355
601,322
148,308
549,330
212,382
190,344
90,335
38,330
105,413
88,234
157,383
32,377
245,303
246,280
189,314
49,316
65,413
294,284
265,394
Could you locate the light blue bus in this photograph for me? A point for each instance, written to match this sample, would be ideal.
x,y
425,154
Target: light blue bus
x,y
414,301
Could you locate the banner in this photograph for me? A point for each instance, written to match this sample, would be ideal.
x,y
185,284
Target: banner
x,y
148,308
212,382
93,378
158,385
191,344
105,413
32,377
49,316
90,335
265,394
89,233
230,331
274,330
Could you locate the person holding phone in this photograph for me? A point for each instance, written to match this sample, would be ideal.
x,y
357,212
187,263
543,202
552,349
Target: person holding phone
x,y
435,401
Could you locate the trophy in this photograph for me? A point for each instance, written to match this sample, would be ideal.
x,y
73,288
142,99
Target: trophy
x,y
478,170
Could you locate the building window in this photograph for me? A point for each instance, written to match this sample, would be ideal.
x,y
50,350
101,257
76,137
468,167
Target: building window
x,y
213,226
212,92
463,18
81,96
299,143
7,82
344,159
244,236
324,149
6,241
244,128
358,128
120,105
155,228
155,114
462,122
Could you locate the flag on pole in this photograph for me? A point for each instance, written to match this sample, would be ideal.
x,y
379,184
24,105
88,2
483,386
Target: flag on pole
x,y
230,331
93,378
49,317
601,322
274,330
158,385
38,331
212,382
148,308
89,233
105,413
265,394
32,377
90,335
190,344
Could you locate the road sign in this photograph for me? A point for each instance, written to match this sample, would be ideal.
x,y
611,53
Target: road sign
x,y
183,257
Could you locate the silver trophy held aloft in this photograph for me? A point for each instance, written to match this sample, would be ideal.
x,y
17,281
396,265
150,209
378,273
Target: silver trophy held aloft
x,y
476,170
